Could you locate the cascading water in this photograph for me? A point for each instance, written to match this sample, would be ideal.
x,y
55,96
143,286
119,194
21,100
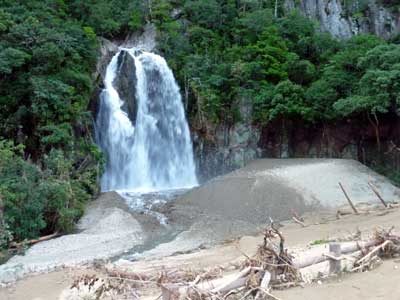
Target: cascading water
x,y
155,153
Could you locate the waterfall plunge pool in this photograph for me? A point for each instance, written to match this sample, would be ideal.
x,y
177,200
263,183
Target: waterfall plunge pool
x,y
150,202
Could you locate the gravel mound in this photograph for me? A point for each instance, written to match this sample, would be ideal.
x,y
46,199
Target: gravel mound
x,y
107,231
272,187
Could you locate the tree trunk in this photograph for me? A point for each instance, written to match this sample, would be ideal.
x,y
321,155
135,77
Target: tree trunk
x,y
376,128
317,255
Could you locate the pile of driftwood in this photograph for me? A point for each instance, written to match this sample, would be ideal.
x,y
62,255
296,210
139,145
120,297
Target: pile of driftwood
x,y
274,267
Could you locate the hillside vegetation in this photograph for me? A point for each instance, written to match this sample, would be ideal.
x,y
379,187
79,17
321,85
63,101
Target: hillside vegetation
x,y
220,50
293,73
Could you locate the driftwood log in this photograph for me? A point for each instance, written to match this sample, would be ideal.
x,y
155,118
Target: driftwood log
x,y
321,253
35,241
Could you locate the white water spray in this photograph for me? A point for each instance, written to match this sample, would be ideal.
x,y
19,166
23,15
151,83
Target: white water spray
x,y
155,153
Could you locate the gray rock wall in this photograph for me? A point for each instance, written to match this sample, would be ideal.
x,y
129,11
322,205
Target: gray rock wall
x,y
345,21
226,147
234,146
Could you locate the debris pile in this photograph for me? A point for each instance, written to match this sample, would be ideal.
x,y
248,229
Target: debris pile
x,y
273,267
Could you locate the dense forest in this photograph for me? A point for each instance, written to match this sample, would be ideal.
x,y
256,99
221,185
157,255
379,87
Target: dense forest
x,y
220,50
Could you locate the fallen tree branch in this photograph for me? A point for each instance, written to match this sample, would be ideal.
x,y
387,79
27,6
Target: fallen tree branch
x,y
348,199
296,215
35,241
237,282
371,253
373,188
298,221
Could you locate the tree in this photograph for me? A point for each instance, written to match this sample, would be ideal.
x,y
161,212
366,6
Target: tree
x,y
285,100
378,90
46,62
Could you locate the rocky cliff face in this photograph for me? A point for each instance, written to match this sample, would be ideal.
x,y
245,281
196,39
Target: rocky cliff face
x,y
223,147
234,146
351,138
344,21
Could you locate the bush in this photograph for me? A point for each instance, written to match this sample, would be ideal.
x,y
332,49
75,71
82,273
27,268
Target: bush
x,y
40,200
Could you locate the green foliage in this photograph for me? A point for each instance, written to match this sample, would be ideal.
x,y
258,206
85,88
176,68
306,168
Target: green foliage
x,y
319,242
46,61
321,95
136,21
5,238
205,13
109,17
254,23
228,49
339,79
225,50
377,89
302,72
11,59
41,199
160,12
90,33
356,8
6,21
286,99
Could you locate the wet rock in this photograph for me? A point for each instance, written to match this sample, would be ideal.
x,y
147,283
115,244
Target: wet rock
x,y
125,84
106,51
145,39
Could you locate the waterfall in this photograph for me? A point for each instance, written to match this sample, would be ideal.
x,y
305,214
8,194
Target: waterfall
x,y
154,152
